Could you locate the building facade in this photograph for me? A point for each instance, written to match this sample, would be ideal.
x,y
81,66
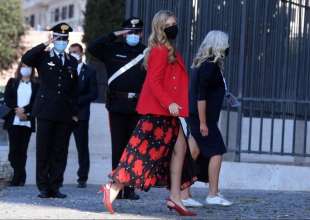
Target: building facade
x,y
43,14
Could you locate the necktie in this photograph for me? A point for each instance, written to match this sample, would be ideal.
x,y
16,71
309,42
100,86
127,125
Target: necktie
x,y
61,58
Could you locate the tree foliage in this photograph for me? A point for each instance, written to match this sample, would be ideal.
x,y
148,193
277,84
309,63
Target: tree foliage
x,y
102,17
11,29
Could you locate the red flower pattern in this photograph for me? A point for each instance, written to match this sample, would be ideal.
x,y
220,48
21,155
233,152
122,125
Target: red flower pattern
x,y
140,166
134,141
130,158
168,136
124,156
143,147
124,175
147,126
157,154
158,133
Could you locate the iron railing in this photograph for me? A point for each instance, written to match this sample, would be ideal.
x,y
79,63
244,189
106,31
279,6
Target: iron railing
x,y
268,67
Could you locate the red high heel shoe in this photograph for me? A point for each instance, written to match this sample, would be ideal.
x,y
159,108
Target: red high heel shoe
x,y
105,189
179,209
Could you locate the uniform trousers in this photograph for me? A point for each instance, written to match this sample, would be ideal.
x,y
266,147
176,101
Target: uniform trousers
x,y
52,151
121,127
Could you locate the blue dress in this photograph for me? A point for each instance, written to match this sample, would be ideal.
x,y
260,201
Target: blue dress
x,y
206,83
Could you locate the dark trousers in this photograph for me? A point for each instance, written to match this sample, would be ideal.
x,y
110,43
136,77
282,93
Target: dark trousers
x,y
121,127
52,151
19,137
80,133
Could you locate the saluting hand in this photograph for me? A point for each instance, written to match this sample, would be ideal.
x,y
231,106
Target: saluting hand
x,y
174,109
120,33
204,129
51,39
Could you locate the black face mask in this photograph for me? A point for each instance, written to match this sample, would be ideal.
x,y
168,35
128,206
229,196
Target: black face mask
x,y
171,32
226,52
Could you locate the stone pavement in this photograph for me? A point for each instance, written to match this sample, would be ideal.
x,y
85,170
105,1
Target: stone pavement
x,y
22,203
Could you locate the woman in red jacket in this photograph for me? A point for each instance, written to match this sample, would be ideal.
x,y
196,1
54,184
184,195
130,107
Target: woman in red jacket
x,y
155,153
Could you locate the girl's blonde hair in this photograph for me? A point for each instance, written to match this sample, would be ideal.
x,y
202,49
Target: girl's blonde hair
x,y
213,46
158,36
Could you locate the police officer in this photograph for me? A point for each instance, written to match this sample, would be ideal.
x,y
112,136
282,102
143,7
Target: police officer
x,y
87,94
116,50
55,108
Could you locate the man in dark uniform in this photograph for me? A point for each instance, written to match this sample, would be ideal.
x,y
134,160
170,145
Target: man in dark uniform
x,y
55,108
116,50
87,94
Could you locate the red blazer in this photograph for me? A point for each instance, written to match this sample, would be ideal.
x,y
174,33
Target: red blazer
x,y
165,83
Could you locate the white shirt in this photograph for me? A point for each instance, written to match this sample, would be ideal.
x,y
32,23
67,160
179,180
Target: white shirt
x,y
79,67
23,98
63,56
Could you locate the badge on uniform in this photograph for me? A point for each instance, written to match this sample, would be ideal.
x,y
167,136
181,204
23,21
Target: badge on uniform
x,y
51,63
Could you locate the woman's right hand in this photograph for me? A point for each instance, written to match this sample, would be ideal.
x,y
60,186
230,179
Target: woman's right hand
x,y
174,109
204,129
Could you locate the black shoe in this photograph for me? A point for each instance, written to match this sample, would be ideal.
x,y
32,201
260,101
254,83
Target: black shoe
x,y
57,194
14,184
131,195
44,194
81,185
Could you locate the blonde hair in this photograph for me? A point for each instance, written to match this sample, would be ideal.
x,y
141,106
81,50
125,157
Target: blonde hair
x,y
158,36
213,46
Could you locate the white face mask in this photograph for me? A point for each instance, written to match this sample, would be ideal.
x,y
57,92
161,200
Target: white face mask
x,y
25,71
76,56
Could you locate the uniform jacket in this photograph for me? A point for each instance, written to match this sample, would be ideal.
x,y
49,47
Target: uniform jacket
x,y
115,53
87,91
57,97
10,99
165,83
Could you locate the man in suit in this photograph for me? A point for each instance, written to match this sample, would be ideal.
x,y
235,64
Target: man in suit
x,y
116,50
55,108
87,94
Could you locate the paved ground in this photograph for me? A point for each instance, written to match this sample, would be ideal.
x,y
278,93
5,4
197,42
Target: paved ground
x,y
22,203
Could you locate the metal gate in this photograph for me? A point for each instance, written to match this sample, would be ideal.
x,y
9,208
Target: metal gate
x,y
268,67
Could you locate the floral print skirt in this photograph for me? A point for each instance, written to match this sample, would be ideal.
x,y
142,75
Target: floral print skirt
x,y
146,159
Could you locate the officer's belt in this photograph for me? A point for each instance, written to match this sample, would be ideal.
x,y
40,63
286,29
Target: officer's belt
x,y
127,95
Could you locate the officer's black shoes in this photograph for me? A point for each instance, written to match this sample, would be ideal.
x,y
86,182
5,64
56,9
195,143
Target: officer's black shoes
x,y
81,185
44,194
129,193
14,184
57,194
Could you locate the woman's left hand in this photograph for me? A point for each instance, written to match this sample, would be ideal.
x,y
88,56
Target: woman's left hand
x,y
19,110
